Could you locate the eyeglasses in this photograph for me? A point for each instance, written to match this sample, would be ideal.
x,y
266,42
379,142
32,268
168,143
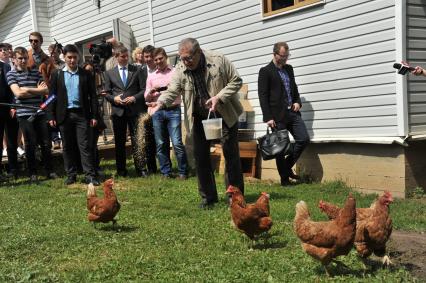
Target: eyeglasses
x,y
4,50
188,59
287,55
34,40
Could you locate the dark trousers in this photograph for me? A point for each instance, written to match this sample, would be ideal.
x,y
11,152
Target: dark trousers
x,y
150,147
36,132
9,126
94,134
75,141
295,125
119,125
205,174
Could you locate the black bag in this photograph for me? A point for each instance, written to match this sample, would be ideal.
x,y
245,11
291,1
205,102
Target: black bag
x,y
274,143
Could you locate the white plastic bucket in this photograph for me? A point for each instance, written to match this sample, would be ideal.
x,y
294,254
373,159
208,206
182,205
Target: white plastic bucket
x,y
212,128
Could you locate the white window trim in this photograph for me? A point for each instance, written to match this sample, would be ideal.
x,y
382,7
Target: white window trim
x,y
289,11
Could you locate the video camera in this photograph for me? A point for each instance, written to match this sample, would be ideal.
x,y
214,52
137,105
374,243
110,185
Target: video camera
x,y
100,51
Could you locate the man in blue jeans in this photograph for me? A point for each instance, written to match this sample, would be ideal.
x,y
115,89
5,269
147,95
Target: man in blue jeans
x,y
167,121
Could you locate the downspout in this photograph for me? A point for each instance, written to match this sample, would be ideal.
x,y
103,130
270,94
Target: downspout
x,y
151,22
34,15
401,81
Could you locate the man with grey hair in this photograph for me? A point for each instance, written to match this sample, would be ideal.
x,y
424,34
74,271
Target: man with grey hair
x,y
207,81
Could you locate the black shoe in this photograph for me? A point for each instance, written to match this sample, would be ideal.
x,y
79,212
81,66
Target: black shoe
x,y
143,174
70,180
3,178
285,182
204,204
52,175
33,179
293,175
92,180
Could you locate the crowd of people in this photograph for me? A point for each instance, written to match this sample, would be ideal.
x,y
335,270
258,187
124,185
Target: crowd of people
x,y
139,84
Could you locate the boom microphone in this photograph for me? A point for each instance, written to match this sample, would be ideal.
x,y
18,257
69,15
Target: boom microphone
x,y
403,69
43,106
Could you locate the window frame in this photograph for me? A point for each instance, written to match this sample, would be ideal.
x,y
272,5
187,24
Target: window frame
x,y
296,7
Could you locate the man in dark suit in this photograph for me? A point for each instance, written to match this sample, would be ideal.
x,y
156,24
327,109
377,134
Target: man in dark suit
x,y
74,111
280,102
124,89
8,121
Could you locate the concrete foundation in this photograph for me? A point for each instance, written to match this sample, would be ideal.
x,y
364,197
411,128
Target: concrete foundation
x,y
369,168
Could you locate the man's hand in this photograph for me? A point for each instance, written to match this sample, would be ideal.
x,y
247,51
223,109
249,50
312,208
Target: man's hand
x,y
118,101
295,107
12,113
42,85
52,123
103,93
212,103
93,123
129,100
418,71
271,123
153,107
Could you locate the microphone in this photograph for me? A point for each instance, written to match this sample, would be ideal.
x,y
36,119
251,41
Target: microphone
x,y
42,107
403,69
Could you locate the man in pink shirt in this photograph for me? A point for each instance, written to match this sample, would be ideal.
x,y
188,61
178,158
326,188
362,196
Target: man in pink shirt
x,y
167,121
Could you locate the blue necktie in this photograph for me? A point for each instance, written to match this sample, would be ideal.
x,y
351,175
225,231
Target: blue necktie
x,y
123,76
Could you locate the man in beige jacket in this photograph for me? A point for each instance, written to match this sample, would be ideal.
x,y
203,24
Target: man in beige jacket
x,y
207,81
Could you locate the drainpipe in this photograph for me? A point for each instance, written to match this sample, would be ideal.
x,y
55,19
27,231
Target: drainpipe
x,y
401,54
34,15
151,22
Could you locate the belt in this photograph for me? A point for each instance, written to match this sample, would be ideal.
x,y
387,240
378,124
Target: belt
x,y
172,107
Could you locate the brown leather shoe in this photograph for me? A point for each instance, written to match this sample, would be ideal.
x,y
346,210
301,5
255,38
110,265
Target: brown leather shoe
x,y
181,177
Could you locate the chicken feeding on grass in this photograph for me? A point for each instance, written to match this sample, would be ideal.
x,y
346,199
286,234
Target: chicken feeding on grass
x,y
102,209
326,240
374,227
251,219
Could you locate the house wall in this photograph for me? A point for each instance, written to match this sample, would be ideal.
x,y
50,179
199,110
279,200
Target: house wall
x,y
78,20
15,23
341,52
416,55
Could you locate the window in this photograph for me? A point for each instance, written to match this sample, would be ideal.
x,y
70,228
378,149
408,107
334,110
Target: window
x,y
273,7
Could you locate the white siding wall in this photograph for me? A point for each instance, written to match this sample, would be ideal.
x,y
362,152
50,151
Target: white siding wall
x,y
15,23
342,53
43,22
416,55
77,20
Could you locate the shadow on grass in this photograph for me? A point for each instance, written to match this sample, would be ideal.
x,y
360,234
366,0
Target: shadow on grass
x,y
118,228
251,197
266,245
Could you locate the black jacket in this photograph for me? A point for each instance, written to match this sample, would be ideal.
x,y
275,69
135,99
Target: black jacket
x,y
88,100
6,95
272,93
136,84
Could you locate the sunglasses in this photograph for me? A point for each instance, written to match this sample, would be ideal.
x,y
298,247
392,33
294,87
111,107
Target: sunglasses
x,y
34,40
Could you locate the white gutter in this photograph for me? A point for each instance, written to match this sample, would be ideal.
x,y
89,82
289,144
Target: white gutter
x,y
34,15
401,54
151,22
371,140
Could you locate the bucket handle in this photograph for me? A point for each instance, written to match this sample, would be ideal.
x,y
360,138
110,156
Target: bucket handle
x,y
208,117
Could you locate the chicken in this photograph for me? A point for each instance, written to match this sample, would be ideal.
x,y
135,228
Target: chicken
x,y
374,227
102,209
326,240
250,219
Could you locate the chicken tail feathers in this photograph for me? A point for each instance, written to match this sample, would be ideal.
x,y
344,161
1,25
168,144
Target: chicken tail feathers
x,y
91,191
302,211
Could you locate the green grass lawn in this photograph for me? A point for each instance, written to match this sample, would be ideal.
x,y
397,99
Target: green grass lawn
x,y
164,237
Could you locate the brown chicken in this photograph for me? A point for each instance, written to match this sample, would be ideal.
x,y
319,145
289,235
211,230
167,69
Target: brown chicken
x,y
374,227
251,219
326,240
102,209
